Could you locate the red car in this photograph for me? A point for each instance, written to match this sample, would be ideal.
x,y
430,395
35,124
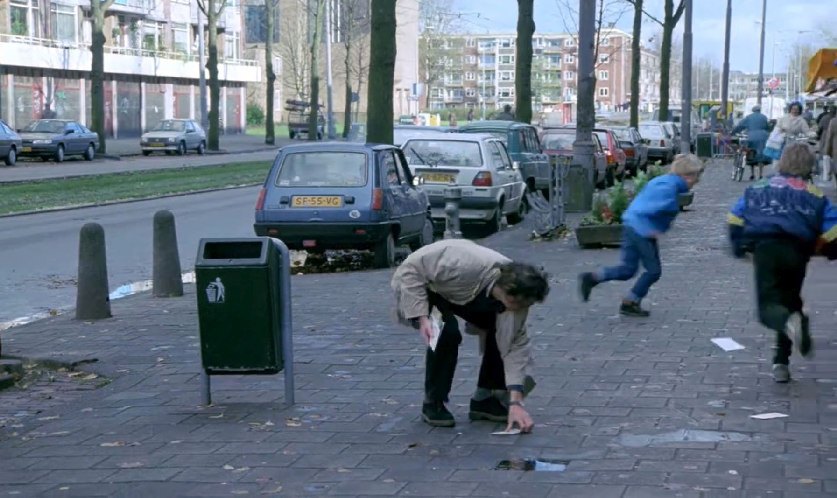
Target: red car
x,y
616,158
559,142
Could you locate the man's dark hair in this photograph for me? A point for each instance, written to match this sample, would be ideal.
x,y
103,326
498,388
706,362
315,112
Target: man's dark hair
x,y
524,281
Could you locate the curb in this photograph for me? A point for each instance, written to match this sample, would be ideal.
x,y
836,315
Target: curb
x,y
118,157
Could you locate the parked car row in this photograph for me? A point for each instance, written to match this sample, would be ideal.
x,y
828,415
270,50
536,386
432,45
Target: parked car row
x,y
47,139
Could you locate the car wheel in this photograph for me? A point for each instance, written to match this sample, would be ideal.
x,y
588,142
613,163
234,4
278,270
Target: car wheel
x,y
425,237
496,222
59,154
201,148
89,153
291,135
385,252
11,158
610,177
181,149
146,153
517,216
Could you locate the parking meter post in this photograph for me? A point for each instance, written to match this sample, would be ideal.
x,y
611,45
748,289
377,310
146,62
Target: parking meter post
x,y
559,170
167,281
452,197
92,297
285,320
206,392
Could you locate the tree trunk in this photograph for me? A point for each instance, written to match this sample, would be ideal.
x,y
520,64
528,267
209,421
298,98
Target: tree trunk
x,y
269,129
97,73
636,62
381,72
523,62
669,23
214,84
314,91
347,63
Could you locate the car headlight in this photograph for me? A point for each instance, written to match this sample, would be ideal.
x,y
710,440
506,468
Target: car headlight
x,y
172,139
42,141
144,140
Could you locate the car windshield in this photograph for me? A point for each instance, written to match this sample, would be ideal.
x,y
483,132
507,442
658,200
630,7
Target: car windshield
x,y
45,127
169,125
323,169
652,131
602,137
401,135
558,141
445,152
623,134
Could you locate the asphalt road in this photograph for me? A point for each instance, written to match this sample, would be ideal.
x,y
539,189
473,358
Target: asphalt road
x,y
40,251
38,170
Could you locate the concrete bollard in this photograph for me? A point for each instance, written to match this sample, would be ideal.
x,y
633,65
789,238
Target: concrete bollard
x,y
452,197
167,281
92,301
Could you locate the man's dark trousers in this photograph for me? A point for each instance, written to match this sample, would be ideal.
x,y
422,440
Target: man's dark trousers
x,y
780,272
440,365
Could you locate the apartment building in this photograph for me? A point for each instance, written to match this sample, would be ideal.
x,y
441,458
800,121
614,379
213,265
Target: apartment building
x,y
743,85
479,71
349,32
151,63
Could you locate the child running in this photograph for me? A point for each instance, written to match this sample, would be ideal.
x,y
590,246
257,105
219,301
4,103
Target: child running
x,y
784,220
649,216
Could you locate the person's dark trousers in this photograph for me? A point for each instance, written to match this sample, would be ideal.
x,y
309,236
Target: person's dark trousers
x,y
440,365
635,249
780,272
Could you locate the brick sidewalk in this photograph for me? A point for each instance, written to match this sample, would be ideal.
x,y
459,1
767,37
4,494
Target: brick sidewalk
x,y
636,408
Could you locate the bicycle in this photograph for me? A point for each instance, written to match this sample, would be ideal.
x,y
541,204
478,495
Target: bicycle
x,y
739,161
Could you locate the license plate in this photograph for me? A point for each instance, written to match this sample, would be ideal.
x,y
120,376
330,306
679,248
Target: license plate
x,y
438,177
322,201
156,145
26,149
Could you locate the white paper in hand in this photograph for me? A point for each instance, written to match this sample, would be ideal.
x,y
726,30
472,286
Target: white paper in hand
x,y
436,323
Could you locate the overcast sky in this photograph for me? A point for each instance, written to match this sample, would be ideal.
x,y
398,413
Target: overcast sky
x,y
785,20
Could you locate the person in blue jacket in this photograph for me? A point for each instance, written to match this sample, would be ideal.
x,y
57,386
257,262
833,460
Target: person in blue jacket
x,y
783,220
650,215
756,125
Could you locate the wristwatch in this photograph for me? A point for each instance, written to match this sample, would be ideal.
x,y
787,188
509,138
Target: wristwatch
x,y
516,403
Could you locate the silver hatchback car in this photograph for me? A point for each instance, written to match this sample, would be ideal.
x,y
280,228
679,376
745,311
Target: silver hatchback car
x,y
492,187
174,135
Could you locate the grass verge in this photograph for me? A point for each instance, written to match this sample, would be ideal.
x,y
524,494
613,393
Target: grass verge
x,y
114,187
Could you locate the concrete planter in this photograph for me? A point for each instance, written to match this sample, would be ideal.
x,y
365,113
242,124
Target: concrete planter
x,y
685,199
589,236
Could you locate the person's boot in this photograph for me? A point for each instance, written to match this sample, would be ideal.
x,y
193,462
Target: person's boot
x,y
781,373
586,282
632,308
490,409
436,414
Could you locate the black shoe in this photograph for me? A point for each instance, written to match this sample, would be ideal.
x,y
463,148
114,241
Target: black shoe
x,y
632,308
437,415
586,282
797,329
489,409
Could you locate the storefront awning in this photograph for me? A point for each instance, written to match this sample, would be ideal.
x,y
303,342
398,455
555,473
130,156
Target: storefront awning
x,y
821,68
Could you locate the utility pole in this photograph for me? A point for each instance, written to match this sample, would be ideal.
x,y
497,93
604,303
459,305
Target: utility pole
x,y
201,72
329,82
686,115
583,145
725,80
761,52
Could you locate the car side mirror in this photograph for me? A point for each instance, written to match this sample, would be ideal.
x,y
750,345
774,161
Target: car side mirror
x,y
516,165
68,132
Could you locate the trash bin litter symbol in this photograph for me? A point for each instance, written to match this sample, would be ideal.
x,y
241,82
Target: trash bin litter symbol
x,y
215,291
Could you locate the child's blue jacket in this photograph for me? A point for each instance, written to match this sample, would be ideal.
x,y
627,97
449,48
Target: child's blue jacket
x,y
656,205
783,207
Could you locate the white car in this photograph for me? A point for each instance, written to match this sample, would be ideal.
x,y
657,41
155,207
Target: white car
x,y
174,135
492,187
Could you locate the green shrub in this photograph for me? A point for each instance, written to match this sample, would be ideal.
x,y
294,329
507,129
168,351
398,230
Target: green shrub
x,y
255,115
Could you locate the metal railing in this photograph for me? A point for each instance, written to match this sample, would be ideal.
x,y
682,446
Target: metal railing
x,y
549,215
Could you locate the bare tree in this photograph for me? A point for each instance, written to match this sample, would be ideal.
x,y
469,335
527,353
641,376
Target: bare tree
x,y
437,20
523,61
314,92
381,72
354,15
608,14
671,16
98,11
213,9
295,52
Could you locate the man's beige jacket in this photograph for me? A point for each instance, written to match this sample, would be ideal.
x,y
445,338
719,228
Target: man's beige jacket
x,y
457,270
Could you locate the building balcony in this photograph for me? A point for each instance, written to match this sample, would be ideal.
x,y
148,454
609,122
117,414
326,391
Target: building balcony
x,y
42,53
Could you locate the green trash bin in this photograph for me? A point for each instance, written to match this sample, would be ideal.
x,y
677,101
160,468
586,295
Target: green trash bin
x,y
703,145
578,190
237,282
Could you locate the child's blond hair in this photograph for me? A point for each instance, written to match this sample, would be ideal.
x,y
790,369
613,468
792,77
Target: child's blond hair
x,y
687,165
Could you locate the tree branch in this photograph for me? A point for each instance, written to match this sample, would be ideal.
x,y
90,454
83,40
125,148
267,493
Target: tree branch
x,y
647,14
679,12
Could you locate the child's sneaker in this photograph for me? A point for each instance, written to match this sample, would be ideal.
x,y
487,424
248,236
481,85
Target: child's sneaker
x,y
632,308
586,282
781,373
797,330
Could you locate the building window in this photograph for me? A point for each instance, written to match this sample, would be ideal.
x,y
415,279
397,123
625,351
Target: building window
x,y
603,75
470,92
24,18
232,45
506,93
152,35
506,59
180,41
255,24
436,93
63,22
604,59
570,59
605,42
470,42
603,92
569,75
506,75
569,42
470,76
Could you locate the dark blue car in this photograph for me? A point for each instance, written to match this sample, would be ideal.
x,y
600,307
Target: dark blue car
x,y
343,195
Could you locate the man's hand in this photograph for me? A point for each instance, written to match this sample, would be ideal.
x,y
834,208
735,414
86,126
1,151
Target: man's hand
x,y
520,417
425,329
